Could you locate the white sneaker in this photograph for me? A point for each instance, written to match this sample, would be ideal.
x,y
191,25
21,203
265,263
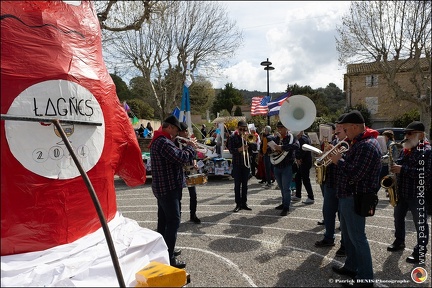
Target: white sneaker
x,y
308,201
295,199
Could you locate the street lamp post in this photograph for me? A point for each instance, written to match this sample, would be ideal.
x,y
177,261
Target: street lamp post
x,y
268,68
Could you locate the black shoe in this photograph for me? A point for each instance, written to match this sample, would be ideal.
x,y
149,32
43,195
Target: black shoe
x,y
343,271
321,222
280,207
245,207
324,243
413,259
340,252
195,219
396,247
284,212
178,263
237,208
177,252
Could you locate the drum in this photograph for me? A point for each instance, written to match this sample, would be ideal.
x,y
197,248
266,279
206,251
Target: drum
x,y
196,179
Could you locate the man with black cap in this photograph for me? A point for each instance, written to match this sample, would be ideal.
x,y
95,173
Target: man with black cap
x,y
238,148
288,144
358,170
167,180
410,173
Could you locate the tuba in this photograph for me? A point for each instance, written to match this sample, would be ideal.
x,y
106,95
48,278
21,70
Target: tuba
x,y
389,181
297,113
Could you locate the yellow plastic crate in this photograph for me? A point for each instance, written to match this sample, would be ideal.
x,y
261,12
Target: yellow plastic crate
x,y
157,274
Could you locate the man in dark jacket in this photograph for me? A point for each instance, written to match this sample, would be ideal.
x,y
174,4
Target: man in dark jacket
x,y
304,164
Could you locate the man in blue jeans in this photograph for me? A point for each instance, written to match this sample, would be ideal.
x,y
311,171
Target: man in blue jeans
x,y
287,143
167,181
331,202
359,169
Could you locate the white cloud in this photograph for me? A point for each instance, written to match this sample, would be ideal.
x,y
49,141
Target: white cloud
x,y
297,37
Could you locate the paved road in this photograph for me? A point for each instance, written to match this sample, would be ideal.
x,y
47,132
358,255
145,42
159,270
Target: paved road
x,y
259,248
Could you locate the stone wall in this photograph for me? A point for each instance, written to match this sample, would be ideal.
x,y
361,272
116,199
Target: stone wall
x,y
143,143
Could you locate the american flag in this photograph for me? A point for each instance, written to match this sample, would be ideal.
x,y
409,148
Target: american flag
x,y
259,105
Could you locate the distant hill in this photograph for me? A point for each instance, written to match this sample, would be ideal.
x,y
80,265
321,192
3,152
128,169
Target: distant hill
x,y
247,95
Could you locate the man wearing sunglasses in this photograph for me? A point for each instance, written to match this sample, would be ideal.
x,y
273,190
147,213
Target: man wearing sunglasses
x,y
238,147
411,170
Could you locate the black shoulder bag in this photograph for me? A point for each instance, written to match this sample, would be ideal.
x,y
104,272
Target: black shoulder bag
x,y
364,203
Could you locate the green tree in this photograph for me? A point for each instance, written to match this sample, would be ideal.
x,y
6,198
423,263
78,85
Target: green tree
x,y
406,118
226,99
122,89
141,109
299,90
140,89
237,111
364,111
202,95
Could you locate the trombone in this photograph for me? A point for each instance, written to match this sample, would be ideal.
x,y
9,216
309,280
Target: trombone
x,y
246,139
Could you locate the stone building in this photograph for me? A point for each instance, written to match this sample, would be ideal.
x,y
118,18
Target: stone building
x,y
364,83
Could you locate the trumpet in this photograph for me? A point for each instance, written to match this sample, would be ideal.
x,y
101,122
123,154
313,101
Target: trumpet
x,y
200,147
340,148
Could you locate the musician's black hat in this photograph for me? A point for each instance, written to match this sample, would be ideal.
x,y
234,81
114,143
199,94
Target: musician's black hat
x,y
173,121
354,117
183,126
340,118
279,124
415,126
242,123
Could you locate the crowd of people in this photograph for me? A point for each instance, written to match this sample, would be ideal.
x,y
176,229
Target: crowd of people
x,y
349,187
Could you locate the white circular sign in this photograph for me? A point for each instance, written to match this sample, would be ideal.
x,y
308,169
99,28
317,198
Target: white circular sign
x,y
38,146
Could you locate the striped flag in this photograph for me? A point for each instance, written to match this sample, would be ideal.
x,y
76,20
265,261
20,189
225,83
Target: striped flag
x,y
274,106
259,105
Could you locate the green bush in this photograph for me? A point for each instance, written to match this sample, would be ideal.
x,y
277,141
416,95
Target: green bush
x,y
406,118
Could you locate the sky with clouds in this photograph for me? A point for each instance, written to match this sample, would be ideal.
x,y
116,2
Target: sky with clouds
x,y
298,37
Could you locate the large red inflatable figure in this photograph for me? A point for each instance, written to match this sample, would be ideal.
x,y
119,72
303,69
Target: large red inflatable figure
x,y
52,67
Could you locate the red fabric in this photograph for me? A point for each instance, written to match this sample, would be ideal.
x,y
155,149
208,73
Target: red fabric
x,y
41,41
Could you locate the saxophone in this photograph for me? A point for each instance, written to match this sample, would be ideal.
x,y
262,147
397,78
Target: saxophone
x,y
389,181
320,169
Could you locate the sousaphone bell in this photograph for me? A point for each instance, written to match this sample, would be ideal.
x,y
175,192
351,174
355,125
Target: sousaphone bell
x,y
296,114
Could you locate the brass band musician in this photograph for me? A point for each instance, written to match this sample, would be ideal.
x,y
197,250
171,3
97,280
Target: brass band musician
x,y
237,145
331,202
192,189
408,169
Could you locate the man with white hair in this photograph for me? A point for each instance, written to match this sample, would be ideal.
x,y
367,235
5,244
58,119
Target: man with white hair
x,y
410,170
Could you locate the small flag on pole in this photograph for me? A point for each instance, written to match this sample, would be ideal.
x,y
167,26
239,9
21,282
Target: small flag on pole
x,y
135,120
126,106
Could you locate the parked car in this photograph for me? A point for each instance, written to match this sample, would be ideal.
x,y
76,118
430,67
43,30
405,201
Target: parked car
x,y
397,131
